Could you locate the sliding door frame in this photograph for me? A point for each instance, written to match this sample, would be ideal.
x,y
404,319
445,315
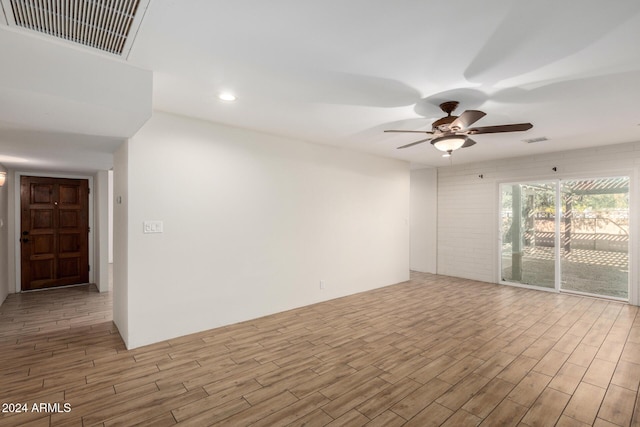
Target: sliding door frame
x,y
632,249
556,183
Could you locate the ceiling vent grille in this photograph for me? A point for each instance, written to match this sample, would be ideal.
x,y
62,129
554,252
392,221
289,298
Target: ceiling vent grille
x,y
106,25
534,140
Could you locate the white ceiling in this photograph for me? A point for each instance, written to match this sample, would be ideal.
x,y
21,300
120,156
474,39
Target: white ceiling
x,y
340,72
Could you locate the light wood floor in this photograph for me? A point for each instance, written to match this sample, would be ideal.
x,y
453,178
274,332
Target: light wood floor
x,y
432,351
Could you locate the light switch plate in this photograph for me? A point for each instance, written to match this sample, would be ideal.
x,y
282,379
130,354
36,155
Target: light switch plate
x,y
152,227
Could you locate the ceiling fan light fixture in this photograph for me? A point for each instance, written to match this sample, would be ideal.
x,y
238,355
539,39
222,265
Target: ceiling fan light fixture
x,y
449,143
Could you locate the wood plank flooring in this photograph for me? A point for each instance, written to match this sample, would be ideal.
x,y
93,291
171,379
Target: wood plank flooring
x,y
432,351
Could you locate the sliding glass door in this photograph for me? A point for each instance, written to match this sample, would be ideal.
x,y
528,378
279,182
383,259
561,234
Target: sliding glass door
x,y
528,240
566,235
595,236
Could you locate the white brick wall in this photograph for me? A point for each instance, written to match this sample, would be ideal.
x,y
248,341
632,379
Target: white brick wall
x,y
467,204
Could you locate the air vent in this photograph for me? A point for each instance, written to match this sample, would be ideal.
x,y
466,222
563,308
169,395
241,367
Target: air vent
x,y
107,25
532,140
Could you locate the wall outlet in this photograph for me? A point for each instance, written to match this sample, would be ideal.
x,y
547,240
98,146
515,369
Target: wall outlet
x,y
321,284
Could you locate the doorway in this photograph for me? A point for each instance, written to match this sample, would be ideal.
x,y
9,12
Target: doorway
x,y
567,235
54,232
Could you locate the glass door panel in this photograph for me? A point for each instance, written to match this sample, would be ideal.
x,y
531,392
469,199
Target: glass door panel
x,y
528,223
594,235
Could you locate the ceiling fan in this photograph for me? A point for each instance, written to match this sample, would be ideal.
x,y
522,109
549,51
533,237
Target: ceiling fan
x,y
451,132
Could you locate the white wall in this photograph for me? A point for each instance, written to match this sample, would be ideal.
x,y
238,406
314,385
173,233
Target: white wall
x,y
101,240
4,238
13,190
468,205
424,219
110,215
252,223
121,242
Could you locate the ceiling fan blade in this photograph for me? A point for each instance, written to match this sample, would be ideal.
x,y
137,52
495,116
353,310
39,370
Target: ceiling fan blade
x,y
468,143
410,131
466,119
503,128
415,143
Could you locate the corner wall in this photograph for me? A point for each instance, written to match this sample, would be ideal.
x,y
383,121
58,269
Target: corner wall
x,y
101,225
424,219
252,224
121,241
468,204
4,237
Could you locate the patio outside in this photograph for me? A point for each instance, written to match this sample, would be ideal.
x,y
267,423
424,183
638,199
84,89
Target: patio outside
x,y
594,236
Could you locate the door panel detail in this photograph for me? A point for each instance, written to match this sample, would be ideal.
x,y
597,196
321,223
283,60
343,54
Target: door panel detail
x,y
54,225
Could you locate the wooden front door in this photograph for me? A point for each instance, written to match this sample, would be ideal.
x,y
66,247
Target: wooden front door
x,y
54,236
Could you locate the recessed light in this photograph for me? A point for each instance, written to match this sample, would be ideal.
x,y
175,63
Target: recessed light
x,y
226,96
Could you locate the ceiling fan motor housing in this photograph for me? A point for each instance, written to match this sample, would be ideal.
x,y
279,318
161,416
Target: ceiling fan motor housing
x,y
443,124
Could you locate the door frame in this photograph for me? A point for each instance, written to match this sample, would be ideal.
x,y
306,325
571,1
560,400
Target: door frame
x,y
556,182
633,296
17,224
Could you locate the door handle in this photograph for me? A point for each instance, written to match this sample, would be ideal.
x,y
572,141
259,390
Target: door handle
x,y
25,240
